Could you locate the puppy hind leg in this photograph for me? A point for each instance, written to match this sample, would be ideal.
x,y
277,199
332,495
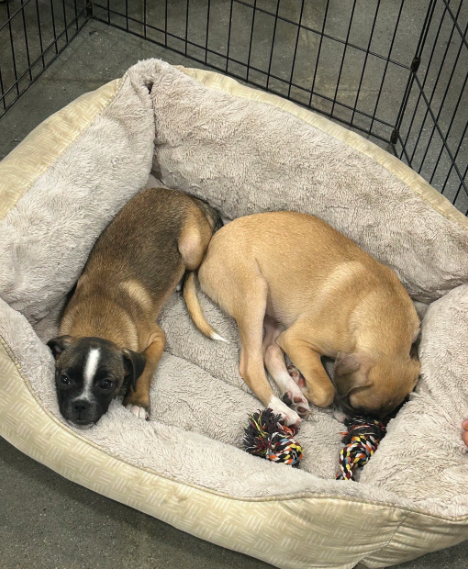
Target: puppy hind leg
x,y
273,357
250,319
237,286
272,329
291,392
193,240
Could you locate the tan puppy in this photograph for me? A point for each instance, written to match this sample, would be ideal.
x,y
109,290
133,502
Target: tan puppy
x,y
109,338
316,293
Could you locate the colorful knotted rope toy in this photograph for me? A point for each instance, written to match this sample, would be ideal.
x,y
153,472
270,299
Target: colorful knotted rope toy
x,y
267,437
361,439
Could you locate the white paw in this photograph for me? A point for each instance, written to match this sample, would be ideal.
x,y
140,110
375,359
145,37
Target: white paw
x,y
138,411
296,400
289,416
297,377
339,415
295,392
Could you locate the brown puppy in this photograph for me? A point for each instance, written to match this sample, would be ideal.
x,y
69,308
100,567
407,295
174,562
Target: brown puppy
x,y
108,333
316,293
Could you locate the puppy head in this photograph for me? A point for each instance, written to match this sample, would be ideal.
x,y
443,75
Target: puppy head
x,y
374,387
89,373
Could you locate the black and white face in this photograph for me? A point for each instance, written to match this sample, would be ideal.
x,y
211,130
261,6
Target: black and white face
x,y
89,373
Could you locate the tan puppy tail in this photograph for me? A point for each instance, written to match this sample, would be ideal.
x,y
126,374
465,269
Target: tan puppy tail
x,y
195,310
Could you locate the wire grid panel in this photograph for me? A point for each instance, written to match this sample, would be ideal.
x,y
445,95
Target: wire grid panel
x,y
433,134
394,69
32,34
348,59
351,60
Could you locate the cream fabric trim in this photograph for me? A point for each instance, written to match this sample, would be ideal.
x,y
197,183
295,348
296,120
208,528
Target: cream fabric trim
x,y
418,535
296,532
431,196
37,152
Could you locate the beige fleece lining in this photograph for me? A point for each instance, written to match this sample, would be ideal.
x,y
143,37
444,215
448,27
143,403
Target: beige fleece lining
x,y
41,148
431,196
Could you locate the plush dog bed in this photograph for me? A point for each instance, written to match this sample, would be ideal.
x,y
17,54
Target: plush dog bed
x,y
245,152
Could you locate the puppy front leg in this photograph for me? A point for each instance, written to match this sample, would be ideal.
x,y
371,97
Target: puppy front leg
x,y
138,402
319,389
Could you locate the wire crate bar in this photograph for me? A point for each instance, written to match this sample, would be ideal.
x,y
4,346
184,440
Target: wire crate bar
x,y
395,71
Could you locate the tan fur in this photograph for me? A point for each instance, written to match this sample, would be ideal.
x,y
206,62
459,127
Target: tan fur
x,y
190,296
331,298
134,267
194,238
138,293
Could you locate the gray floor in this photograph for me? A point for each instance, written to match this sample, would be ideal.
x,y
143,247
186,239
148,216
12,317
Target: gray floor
x,y
46,521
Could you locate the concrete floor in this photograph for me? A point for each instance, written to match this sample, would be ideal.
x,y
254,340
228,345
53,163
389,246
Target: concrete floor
x,y
45,520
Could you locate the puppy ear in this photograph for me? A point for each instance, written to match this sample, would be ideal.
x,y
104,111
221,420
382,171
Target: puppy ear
x,y
134,365
58,345
346,364
346,376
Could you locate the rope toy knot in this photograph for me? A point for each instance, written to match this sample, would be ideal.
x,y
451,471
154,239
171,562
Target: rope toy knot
x,y
267,437
361,439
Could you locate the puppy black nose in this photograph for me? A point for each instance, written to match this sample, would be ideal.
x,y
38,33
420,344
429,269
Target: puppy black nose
x,y
80,407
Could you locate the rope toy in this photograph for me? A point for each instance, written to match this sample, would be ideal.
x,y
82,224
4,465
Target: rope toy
x,y
267,437
361,439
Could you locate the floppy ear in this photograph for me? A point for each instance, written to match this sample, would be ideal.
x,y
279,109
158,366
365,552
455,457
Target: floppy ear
x,y
58,345
345,366
134,365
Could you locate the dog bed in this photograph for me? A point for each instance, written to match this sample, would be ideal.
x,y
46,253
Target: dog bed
x,y
244,151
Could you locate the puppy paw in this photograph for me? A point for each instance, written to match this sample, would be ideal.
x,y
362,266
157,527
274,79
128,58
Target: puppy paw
x,y
297,377
296,400
320,397
295,396
288,415
339,415
138,404
138,411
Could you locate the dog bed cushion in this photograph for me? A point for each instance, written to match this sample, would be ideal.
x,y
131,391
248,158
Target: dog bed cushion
x,y
244,151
